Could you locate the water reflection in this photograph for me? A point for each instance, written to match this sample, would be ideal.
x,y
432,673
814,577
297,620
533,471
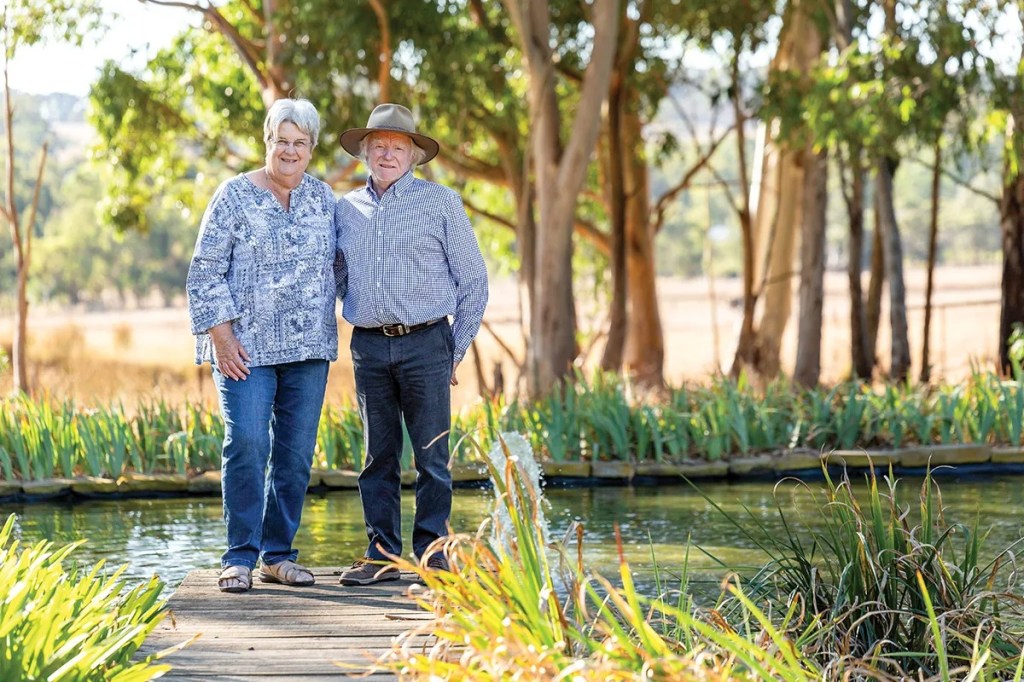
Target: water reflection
x,y
170,537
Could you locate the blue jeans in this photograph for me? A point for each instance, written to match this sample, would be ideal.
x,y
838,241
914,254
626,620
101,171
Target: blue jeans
x,y
270,426
404,377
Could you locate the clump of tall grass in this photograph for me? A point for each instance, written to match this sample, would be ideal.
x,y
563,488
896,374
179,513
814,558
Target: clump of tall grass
x,y
878,579
590,418
66,624
500,616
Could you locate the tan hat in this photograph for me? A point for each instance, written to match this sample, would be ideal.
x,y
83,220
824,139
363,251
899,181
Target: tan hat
x,y
389,118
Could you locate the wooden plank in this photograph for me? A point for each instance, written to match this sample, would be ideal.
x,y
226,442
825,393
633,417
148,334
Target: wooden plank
x,y
274,632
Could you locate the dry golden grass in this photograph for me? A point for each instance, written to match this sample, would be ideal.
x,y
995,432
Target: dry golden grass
x,y
100,357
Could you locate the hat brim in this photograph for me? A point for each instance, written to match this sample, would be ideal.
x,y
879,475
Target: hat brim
x,y
351,138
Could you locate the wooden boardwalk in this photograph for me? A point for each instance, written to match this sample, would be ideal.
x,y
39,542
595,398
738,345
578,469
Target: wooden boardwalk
x,y
282,633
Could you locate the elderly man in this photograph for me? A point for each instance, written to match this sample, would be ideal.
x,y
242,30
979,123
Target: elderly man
x,y
407,263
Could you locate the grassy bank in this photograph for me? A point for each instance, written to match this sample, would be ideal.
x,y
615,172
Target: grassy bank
x,y
594,419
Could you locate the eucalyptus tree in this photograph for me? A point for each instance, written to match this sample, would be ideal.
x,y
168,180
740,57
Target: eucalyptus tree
x,y
25,23
876,94
774,214
456,63
203,98
1009,98
559,166
650,69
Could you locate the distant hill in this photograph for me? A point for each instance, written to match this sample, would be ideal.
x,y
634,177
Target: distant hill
x,y
64,116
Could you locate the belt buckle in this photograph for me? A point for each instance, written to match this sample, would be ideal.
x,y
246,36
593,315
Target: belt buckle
x,y
394,329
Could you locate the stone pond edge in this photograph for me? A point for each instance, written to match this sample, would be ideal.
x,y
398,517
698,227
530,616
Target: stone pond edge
x,y
944,459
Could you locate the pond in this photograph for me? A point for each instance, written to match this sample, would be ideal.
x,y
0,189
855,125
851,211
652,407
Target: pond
x,y
170,537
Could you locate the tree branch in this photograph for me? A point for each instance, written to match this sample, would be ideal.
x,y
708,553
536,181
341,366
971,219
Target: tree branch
x,y
30,223
244,47
504,222
470,167
504,347
960,181
663,201
479,15
384,51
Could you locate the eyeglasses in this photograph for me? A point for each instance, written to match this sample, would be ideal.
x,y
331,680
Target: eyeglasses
x,y
297,145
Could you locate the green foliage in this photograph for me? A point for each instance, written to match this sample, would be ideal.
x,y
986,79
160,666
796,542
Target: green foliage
x,y
514,602
873,584
591,419
30,22
80,260
71,625
505,592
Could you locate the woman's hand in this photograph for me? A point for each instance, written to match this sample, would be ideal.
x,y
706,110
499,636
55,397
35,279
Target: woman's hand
x,y
228,353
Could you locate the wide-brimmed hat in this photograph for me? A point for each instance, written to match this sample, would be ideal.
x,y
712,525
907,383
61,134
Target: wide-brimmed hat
x,y
389,118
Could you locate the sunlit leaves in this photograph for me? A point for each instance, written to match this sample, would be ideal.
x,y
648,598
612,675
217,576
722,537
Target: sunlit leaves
x,y
29,22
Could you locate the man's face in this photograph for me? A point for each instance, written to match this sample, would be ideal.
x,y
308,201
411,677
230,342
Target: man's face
x,y
389,156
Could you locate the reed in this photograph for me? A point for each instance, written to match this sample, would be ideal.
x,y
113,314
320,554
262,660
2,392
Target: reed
x,y
879,576
597,418
500,614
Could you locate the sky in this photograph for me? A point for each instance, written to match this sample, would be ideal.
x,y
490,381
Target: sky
x,y
61,68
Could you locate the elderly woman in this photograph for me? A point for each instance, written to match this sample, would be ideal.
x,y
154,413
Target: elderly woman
x,y
261,301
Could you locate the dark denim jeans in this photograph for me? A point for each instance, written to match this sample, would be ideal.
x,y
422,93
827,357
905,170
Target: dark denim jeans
x,y
270,425
404,377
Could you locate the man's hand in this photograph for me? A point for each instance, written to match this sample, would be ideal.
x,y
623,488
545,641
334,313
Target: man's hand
x,y
228,353
455,379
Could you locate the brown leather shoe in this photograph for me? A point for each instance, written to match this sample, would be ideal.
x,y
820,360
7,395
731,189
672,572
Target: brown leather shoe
x,y
367,572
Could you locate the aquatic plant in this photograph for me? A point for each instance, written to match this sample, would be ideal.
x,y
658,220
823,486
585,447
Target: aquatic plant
x,y
878,576
66,624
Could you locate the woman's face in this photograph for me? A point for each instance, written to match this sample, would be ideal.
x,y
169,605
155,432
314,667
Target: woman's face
x,y
289,153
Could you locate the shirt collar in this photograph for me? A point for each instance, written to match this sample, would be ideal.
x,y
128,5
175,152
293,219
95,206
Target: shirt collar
x,y
399,186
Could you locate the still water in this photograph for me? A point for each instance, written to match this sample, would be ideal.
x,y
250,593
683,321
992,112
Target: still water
x,y
170,537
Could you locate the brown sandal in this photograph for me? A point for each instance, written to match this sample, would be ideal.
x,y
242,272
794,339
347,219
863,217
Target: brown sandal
x,y
235,579
287,573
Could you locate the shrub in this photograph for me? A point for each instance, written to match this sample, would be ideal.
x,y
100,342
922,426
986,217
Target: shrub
x,y
71,625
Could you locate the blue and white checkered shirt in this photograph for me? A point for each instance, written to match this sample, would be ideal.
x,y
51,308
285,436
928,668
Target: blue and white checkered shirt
x,y
408,257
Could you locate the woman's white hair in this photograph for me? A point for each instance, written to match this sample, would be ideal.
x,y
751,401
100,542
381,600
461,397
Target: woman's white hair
x,y
299,112
418,153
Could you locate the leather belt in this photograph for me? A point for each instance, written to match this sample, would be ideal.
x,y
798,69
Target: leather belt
x,y
400,329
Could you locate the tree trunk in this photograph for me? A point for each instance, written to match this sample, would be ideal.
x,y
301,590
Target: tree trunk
x,y
933,235
812,270
615,153
861,360
20,342
777,225
777,208
899,367
645,341
873,314
18,236
516,167
1011,211
559,173
744,355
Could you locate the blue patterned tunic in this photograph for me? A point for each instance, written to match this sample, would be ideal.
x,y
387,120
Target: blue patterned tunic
x,y
410,256
267,270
